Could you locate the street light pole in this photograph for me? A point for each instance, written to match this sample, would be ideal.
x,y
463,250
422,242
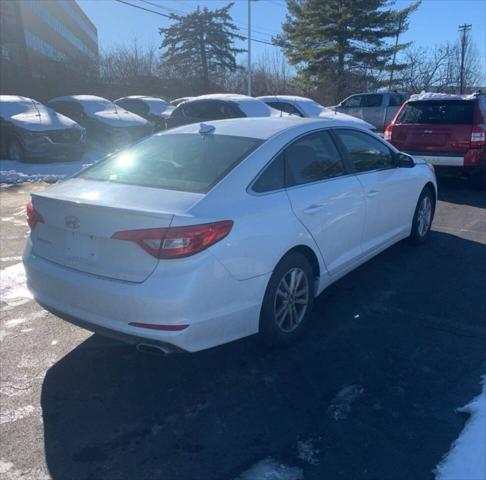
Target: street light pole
x,y
249,49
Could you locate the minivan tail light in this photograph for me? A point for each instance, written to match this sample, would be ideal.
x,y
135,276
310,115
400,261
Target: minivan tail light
x,y
478,138
33,216
388,133
177,242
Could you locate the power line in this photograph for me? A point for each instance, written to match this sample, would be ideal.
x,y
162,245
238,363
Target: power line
x,y
244,37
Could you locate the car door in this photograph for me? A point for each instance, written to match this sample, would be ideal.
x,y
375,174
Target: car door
x,y
389,191
326,198
373,110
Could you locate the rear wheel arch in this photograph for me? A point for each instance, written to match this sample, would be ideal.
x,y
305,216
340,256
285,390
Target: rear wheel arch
x,y
310,255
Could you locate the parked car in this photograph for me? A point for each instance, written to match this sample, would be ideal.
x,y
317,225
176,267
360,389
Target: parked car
x,y
306,107
106,124
375,108
448,131
207,233
153,109
177,101
217,107
31,131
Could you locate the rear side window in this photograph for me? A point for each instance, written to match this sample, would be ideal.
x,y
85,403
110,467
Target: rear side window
x,y
272,177
448,112
187,162
396,100
312,158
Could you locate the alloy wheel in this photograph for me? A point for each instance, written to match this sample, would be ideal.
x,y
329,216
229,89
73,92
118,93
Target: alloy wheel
x,y
424,216
291,300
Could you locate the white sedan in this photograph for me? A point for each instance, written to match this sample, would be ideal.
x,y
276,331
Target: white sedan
x,y
207,233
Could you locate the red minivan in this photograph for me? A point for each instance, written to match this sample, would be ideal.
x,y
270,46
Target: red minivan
x,y
448,131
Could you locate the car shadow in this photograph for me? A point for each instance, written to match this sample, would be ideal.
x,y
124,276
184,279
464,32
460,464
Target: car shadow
x,y
456,190
369,392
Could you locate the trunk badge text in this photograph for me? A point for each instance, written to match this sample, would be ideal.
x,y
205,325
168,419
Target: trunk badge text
x,y
72,222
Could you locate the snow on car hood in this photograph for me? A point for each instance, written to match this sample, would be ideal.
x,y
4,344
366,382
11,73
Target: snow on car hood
x,y
119,118
332,114
42,120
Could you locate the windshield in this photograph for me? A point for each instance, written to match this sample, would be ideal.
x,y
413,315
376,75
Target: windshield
x,y
187,162
438,112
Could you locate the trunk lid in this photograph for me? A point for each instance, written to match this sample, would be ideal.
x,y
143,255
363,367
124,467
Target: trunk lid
x,y
81,216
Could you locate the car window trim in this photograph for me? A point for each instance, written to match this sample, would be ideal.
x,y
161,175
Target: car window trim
x,y
348,173
393,152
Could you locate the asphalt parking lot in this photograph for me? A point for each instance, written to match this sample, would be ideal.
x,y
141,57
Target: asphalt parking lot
x,y
370,393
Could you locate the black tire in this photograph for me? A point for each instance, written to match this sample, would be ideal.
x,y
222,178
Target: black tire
x,y
15,150
273,301
478,180
423,217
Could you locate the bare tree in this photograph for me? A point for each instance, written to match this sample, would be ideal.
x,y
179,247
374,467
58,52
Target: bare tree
x,y
127,63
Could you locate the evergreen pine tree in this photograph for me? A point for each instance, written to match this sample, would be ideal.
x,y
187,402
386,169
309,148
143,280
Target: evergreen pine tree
x,y
198,46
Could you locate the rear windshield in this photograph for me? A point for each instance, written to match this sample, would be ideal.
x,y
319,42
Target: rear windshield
x,y
186,162
438,112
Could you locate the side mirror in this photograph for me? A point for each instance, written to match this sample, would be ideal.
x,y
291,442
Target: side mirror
x,y
404,160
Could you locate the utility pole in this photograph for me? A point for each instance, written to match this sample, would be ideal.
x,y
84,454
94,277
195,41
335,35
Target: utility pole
x,y
464,29
399,29
249,49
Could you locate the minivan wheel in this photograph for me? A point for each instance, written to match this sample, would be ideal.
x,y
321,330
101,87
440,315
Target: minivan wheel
x,y
424,214
288,300
15,151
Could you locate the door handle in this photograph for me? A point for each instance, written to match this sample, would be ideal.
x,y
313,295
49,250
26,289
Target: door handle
x,y
314,208
372,193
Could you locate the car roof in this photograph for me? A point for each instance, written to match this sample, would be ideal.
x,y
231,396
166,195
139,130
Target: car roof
x,y
79,98
285,98
141,97
261,127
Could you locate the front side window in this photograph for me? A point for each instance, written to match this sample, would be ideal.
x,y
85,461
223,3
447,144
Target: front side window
x,y
352,102
366,153
372,101
285,107
186,162
312,158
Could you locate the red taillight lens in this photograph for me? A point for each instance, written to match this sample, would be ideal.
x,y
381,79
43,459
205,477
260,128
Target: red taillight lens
x,y
478,138
177,242
388,133
33,216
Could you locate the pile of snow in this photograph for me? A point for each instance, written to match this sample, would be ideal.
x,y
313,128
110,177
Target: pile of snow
x,y
467,457
13,289
270,469
13,172
439,96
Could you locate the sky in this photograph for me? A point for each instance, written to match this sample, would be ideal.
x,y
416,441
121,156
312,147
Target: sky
x,y
436,21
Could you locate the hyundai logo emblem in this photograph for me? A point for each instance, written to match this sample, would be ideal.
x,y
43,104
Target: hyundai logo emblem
x,y
71,222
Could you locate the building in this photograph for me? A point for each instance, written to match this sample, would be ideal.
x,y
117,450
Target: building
x,y
44,40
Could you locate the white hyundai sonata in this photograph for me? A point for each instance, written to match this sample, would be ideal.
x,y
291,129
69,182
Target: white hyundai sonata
x,y
207,233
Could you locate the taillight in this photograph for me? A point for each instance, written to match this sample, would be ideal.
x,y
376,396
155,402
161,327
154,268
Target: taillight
x,y
388,133
177,242
33,216
478,137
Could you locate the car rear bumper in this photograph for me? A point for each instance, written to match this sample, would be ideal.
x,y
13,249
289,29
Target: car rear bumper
x,y
472,159
200,293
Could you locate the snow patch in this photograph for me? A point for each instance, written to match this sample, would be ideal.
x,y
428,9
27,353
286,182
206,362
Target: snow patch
x,y
12,172
439,96
467,457
13,290
340,406
270,469
307,452
17,414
